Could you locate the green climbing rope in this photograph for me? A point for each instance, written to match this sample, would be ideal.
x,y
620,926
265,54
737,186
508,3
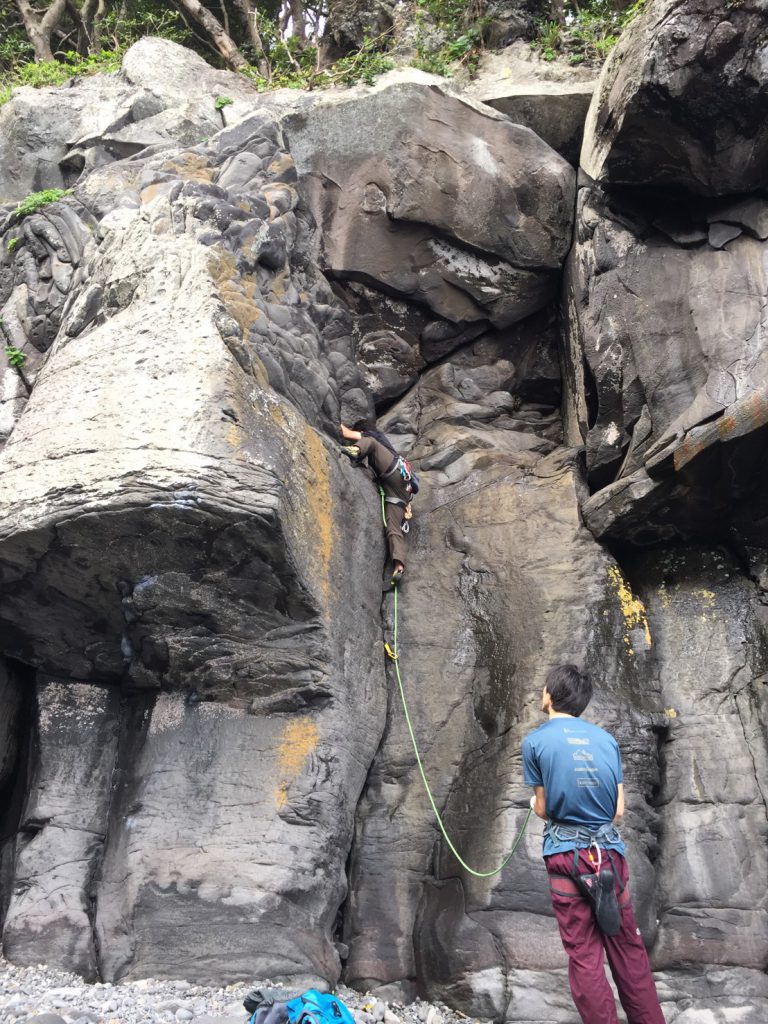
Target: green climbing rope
x,y
383,509
454,851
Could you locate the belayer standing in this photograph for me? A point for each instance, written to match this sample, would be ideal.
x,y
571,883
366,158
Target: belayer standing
x,y
394,477
575,769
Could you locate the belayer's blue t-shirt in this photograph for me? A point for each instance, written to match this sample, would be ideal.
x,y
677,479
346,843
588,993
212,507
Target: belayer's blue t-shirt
x,y
579,766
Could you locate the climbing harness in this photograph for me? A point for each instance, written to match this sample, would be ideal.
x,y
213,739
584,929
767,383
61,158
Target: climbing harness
x,y
408,514
407,475
598,884
393,654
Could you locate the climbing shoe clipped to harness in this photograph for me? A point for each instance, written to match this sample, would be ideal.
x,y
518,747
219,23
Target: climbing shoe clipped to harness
x,y
600,890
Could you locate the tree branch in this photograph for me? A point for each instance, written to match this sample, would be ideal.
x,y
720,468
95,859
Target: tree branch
x,y
221,39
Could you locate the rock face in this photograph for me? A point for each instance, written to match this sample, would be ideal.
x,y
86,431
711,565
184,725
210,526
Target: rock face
x,y
669,370
439,208
204,766
681,98
197,591
163,92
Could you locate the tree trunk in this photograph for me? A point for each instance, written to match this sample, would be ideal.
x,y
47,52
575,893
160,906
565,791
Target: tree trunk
x,y
249,15
91,16
299,19
39,30
221,39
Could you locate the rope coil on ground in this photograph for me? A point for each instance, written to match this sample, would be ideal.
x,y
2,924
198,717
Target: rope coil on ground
x,y
394,655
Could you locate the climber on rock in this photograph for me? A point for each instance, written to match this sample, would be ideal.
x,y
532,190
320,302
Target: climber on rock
x,y
575,769
395,479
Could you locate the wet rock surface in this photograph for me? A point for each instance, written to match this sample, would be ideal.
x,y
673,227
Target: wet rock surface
x,y
206,773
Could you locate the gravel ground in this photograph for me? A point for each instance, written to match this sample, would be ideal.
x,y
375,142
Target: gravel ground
x,y
43,995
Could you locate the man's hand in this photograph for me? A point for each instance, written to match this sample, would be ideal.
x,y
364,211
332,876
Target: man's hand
x,y
619,804
539,802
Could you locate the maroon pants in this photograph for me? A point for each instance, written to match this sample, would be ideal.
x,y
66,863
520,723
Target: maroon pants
x,y
585,945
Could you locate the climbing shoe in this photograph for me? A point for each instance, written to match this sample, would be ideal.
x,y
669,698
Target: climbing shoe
x,y
607,913
397,575
351,450
600,890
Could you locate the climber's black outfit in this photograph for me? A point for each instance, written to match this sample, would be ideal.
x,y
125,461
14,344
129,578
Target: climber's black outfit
x,y
383,459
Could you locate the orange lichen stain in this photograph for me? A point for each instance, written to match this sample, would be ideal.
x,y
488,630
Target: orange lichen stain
x,y
235,436
632,608
151,192
299,740
319,504
190,167
233,294
279,283
725,425
281,163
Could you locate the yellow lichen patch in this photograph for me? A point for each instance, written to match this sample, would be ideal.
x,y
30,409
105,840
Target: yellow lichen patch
x,y
235,435
281,163
319,504
237,299
190,167
632,608
707,596
299,740
150,192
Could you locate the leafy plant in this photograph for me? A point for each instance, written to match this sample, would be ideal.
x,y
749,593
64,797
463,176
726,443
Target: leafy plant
x,y
222,101
55,72
459,25
590,31
15,357
12,243
548,40
37,200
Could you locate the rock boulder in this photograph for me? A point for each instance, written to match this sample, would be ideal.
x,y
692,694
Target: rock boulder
x,y
430,197
681,98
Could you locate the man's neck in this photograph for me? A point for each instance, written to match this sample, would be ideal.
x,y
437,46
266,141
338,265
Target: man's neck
x,y
558,714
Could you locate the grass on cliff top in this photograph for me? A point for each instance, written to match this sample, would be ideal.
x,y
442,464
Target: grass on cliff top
x,y
448,39
588,35
57,72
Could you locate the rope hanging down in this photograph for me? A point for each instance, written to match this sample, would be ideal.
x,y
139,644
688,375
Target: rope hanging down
x,y
478,874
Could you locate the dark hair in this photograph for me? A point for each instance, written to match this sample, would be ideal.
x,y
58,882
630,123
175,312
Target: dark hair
x,y
569,689
364,425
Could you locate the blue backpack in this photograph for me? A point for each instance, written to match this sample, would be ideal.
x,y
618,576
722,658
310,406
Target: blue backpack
x,y
313,1007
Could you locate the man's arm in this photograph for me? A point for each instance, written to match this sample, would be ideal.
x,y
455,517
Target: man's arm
x,y
350,435
619,804
539,802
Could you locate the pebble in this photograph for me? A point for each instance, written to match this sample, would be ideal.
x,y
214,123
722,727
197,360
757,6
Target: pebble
x,y
46,995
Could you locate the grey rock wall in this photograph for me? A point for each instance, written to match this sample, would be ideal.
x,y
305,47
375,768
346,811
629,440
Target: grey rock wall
x,y
679,100
212,777
177,536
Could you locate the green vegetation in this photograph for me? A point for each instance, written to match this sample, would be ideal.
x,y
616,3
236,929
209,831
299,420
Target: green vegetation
x,y
12,243
283,43
449,35
590,31
56,72
37,200
289,66
15,357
